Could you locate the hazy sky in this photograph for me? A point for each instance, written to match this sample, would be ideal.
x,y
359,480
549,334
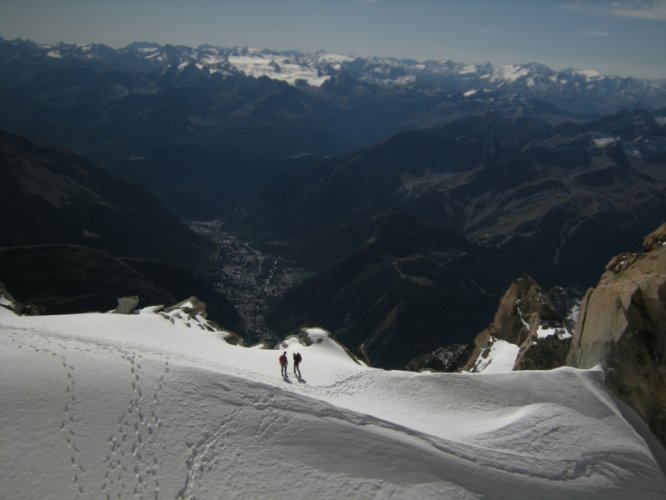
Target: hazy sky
x,y
617,37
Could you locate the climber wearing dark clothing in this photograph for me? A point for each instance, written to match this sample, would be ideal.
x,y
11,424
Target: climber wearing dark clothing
x,y
297,362
283,364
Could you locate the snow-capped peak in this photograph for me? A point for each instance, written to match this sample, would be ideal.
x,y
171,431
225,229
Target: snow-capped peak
x,y
589,74
316,68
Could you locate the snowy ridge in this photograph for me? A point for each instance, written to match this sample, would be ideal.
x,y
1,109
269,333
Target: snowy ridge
x,y
314,69
108,406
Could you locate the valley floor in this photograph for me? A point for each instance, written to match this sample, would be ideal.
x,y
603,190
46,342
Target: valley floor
x,y
153,406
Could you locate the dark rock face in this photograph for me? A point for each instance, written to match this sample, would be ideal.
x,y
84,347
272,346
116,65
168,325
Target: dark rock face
x,y
555,197
92,238
527,317
68,200
544,354
65,279
451,358
622,327
7,300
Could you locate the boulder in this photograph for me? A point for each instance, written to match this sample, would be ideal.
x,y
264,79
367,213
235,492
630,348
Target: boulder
x,y
127,305
622,328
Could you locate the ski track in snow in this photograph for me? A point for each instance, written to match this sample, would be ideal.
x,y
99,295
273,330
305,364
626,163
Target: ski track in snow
x,y
111,419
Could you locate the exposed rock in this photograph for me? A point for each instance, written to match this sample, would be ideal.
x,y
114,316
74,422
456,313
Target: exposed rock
x,y
362,354
526,317
7,300
544,354
450,358
127,305
622,327
235,339
192,306
193,312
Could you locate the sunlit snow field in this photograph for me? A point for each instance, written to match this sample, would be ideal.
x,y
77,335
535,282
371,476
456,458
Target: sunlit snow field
x,y
147,406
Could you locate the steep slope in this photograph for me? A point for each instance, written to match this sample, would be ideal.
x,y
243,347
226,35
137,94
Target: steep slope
x,y
69,200
412,288
528,332
546,195
73,278
106,405
622,327
92,237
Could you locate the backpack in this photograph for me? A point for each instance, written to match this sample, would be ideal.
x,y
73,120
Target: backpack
x,y
297,357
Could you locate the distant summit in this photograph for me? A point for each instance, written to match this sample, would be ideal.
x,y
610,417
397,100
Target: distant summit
x,y
569,89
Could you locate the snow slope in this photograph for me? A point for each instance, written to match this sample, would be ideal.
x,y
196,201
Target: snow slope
x,y
155,406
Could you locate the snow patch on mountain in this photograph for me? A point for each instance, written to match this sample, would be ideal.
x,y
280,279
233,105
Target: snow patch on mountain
x,y
499,357
543,332
317,68
413,185
468,70
509,73
285,69
604,142
589,74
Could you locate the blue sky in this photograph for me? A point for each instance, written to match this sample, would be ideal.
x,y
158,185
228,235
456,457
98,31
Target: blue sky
x,y
625,37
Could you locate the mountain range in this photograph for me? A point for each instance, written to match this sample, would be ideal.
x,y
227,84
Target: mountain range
x,y
323,69
325,163
500,180
361,211
228,120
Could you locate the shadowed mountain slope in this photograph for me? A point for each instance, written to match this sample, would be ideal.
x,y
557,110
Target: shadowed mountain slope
x,y
561,199
74,238
414,287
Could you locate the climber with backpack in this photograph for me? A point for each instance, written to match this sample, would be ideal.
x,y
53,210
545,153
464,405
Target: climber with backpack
x,y
297,361
283,364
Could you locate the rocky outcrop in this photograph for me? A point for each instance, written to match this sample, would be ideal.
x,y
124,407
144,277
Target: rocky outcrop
x,y
450,358
192,306
127,305
362,354
529,319
8,301
193,311
622,327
